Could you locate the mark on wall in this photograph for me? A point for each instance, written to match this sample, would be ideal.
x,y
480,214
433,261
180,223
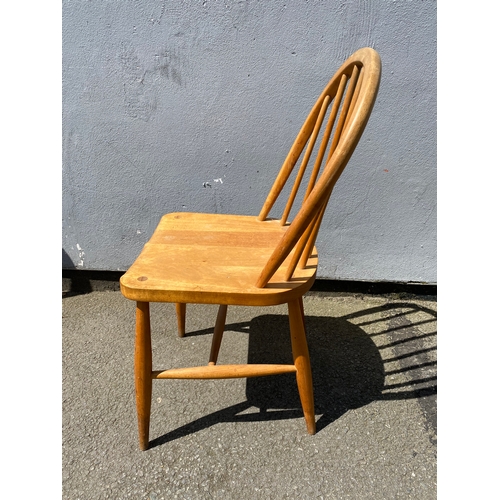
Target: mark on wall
x,y
167,63
140,79
81,255
140,99
217,181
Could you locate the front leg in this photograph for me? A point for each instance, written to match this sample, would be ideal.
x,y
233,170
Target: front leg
x,y
143,372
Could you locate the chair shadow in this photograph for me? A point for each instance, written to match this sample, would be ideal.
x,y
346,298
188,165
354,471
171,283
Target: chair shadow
x,y
347,367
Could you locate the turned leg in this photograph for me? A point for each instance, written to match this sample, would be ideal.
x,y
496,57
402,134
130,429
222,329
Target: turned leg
x,y
302,362
143,369
180,309
218,331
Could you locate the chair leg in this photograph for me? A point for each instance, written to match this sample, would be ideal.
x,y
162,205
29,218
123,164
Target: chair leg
x,y
302,362
143,372
218,332
180,309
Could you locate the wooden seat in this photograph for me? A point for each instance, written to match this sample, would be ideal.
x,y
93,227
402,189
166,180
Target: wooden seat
x,y
253,260
222,257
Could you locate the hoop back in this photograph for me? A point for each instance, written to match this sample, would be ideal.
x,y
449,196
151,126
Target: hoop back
x,y
350,96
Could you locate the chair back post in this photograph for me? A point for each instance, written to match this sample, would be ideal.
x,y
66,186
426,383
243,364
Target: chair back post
x,y
353,90
290,161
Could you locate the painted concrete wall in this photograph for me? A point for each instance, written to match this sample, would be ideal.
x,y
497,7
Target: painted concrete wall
x,y
193,105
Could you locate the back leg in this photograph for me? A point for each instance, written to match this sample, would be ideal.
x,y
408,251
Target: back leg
x,y
302,362
218,332
180,309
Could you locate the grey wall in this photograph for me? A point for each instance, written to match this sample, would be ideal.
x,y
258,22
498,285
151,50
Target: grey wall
x,y
192,106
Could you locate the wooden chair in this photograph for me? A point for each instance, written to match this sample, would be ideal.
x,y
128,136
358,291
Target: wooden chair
x,y
253,260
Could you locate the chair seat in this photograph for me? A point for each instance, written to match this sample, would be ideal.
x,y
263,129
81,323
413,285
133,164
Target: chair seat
x,y
213,259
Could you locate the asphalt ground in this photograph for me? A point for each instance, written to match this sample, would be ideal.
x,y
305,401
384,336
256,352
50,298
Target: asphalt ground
x,y
374,372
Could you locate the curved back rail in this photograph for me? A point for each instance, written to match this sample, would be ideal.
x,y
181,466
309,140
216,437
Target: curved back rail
x,y
351,95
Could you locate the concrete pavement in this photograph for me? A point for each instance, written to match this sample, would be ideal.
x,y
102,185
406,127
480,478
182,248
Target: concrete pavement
x,y
374,371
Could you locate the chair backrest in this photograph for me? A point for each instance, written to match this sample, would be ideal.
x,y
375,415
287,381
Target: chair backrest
x,y
351,95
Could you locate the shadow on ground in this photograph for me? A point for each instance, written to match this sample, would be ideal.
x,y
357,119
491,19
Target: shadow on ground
x,y
348,368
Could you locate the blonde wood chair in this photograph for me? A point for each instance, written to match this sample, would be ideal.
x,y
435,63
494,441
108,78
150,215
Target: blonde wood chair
x,y
253,260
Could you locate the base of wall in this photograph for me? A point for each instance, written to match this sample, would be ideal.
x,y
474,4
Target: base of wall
x,y
82,281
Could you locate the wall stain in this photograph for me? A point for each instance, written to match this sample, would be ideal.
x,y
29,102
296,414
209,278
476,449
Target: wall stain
x,y
167,63
140,99
140,80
